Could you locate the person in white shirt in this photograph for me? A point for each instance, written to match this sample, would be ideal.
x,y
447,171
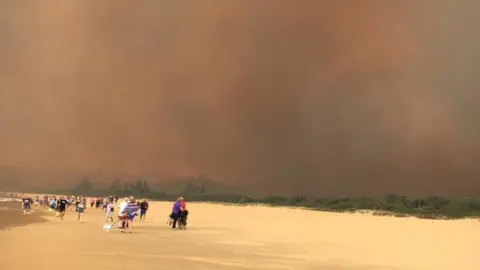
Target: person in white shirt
x,y
109,217
121,209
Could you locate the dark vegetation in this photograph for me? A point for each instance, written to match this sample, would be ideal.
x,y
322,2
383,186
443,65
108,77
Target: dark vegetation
x,y
432,207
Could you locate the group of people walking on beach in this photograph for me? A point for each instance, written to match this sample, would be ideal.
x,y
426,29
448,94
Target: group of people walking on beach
x,y
128,209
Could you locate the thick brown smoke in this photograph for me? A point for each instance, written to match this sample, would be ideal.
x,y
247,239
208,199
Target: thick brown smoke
x,y
299,97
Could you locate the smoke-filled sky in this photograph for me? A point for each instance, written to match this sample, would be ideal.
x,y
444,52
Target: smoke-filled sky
x,y
300,97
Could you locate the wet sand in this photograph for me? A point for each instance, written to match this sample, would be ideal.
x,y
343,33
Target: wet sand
x,y
12,216
238,237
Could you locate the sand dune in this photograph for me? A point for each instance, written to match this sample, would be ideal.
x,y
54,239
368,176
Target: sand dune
x,y
234,237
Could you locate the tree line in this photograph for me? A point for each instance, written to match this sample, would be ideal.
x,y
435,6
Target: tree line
x,y
139,188
431,207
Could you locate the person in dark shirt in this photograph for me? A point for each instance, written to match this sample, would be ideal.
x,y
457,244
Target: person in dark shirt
x,y
143,209
26,205
62,206
98,202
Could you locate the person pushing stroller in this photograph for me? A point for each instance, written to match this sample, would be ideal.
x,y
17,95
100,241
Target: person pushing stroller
x,y
179,213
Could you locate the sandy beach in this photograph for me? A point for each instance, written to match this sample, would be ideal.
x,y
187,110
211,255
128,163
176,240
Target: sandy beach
x,y
239,237
11,218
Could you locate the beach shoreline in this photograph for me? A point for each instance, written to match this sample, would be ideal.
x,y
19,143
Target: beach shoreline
x,y
227,237
369,212
11,215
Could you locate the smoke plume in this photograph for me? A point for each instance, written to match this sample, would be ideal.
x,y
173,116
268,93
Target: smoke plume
x,y
297,97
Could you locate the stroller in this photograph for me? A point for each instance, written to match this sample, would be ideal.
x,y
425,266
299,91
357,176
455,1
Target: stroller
x,y
181,221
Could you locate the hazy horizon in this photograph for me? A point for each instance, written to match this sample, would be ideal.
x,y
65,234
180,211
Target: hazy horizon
x,y
292,97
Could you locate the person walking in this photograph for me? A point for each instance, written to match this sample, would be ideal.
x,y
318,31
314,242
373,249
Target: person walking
x,y
62,206
121,209
183,212
81,206
26,205
110,209
132,211
143,209
177,206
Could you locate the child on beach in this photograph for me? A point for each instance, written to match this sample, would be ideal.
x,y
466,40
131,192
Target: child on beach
x,y
110,211
121,213
36,202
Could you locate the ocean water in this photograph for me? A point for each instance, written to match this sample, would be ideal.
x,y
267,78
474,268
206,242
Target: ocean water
x,y
3,199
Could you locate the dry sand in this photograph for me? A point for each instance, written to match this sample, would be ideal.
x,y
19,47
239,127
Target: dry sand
x,y
243,237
